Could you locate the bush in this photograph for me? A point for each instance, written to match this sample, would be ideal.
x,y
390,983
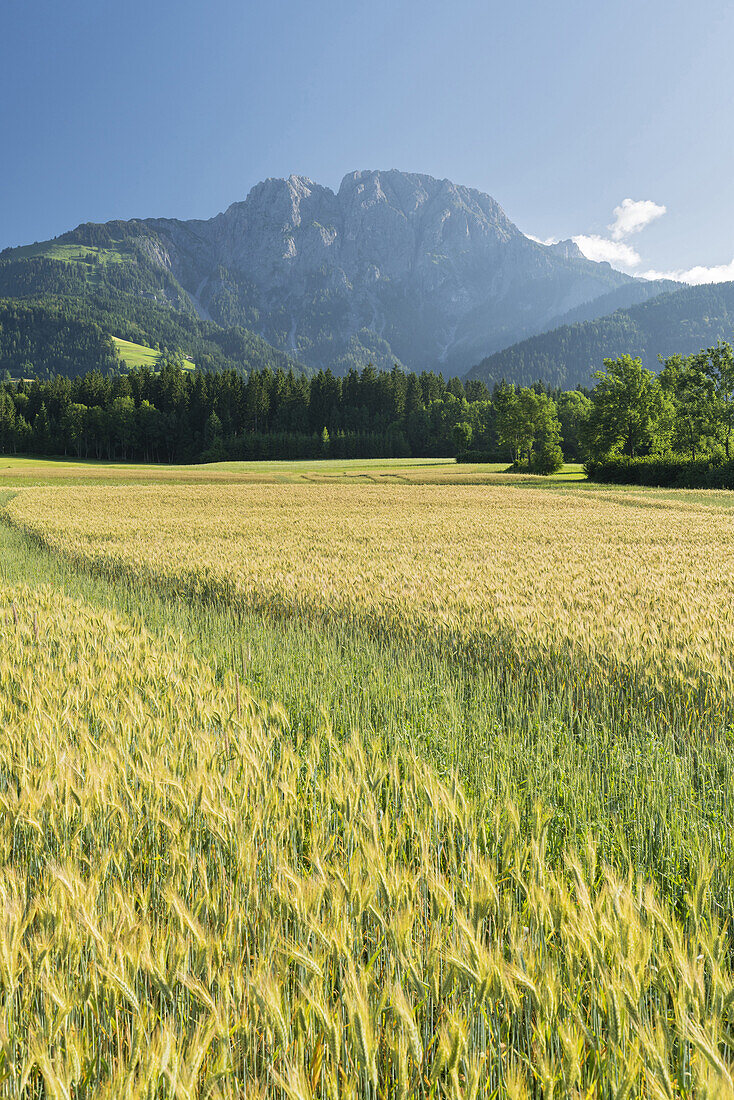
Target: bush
x,y
547,460
664,471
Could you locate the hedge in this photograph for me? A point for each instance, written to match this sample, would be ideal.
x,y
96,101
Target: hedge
x,y
481,456
672,471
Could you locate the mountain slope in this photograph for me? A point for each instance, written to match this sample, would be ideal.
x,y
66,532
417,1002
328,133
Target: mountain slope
x,y
42,340
98,281
48,335
682,321
623,297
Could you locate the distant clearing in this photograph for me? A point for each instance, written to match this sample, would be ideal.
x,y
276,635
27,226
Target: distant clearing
x,y
68,252
138,355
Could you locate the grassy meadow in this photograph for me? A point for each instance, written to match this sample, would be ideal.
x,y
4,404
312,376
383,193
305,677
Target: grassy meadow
x,y
68,252
136,355
367,779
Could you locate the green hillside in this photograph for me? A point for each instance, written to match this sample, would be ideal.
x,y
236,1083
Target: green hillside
x,y
98,281
138,355
86,260
39,340
683,321
42,337
69,252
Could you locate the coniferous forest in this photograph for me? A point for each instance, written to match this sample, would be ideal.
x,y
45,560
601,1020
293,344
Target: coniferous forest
x,y
174,415
676,427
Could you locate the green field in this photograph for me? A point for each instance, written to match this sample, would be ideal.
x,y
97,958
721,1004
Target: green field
x,y
68,253
136,355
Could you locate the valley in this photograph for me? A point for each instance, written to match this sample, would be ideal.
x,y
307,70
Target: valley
x,y
366,551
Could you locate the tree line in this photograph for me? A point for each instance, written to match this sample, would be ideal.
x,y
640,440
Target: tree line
x,y
173,415
686,409
684,414
184,416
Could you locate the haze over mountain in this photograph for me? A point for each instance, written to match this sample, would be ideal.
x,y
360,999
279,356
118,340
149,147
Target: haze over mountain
x,y
391,266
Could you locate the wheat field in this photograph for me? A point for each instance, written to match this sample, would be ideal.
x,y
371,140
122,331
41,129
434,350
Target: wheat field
x,y
483,851
192,905
614,577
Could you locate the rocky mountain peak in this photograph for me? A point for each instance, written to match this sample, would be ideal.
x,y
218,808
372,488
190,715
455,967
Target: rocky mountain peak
x,y
391,265
568,249
277,197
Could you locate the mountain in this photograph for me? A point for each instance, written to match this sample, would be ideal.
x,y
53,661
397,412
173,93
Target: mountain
x,y
623,297
391,267
684,321
63,303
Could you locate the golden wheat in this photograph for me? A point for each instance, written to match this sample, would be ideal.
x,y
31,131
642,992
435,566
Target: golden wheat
x,y
610,576
193,906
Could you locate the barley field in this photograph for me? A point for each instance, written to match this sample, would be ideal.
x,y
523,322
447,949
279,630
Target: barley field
x,y
384,789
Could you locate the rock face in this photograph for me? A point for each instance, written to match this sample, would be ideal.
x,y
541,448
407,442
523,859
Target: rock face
x,y
393,265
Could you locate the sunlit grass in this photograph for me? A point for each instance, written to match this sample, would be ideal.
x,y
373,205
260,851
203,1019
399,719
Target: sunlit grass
x,y
600,578
136,355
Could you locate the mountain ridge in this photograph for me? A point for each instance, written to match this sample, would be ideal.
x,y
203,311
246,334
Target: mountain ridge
x,y
433,269
391,267
684,321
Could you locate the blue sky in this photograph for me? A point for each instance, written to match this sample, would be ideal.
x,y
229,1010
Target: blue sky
x,y
560,110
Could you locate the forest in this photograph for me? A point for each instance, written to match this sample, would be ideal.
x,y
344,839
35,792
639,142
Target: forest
x,y
632,420
679,322
174,415
52,334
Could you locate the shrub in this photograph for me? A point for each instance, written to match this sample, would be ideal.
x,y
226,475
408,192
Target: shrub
x,y
548,459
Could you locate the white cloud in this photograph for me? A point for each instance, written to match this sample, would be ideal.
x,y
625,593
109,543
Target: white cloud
x,y
633,215
696,276
616,253
539,240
